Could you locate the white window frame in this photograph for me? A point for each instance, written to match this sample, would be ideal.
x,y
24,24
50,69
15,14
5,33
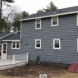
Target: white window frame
x,y
52,21
36,23
54,44
15,45
77,19
77,44
36,42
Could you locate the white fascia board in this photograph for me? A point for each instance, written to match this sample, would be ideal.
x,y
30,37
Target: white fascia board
x,y
11,40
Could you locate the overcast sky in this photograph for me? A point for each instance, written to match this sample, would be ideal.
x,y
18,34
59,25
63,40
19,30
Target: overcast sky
x,y
32,6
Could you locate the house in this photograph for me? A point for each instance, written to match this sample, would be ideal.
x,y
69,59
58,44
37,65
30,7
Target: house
x,y
9,44
10,51
14,30
52,35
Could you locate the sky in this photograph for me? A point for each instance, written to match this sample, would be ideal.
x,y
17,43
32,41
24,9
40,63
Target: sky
x,y
31,6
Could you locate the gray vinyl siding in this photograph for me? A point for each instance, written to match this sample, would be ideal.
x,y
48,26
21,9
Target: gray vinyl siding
x,y
10,50
67,31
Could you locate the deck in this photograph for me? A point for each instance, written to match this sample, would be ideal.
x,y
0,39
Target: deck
x,y
13,61
8,62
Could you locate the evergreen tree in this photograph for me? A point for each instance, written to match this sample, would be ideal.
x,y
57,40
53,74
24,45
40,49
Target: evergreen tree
x,y
50,7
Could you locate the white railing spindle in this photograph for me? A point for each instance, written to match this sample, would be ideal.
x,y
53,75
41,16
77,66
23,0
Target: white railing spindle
x,y
13,58
19,58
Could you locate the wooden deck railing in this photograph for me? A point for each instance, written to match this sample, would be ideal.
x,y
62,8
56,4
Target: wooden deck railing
x,y
19,58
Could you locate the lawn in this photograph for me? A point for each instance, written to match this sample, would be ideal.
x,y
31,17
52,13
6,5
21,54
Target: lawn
x,y
33,71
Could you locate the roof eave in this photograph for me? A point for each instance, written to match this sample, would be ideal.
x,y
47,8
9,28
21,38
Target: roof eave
x,y
12,40
49,16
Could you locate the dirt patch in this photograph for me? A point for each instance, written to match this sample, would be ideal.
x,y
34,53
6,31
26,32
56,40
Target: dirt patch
x,y
35,70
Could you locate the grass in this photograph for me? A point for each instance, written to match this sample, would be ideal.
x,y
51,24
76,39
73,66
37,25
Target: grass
x,y
33,71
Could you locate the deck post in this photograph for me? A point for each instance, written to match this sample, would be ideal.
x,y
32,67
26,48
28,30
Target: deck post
x,y
13,58
27,57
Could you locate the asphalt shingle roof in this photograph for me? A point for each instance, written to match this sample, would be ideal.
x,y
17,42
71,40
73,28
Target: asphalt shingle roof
x,y
58,11
3,34
13,37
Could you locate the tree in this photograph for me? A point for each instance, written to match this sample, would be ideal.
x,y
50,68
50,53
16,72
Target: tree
x,y
24,14
8,15
39,11
17,17
2,24
1,4
50,7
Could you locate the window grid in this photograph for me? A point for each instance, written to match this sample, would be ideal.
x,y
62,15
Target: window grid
x,y
54,21
56,44
37,43
15,45
38,24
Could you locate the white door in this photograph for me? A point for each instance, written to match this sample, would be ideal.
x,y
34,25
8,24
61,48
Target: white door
x,y
4,51
0,50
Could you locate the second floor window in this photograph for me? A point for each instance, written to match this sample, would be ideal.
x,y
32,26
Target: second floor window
x,y
38,24
54,21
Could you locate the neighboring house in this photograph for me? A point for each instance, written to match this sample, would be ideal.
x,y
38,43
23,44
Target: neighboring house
x,y
51,35
9,44
13,30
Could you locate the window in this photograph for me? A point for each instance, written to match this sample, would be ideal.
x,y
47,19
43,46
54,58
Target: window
x,y
56,44
38,44
38,24
77,44
15,45
77,19
4,47
54,21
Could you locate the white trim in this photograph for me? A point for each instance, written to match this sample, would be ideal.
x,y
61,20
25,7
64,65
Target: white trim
x,y
77,44
36,23
6,35
2,56
49,15
11,40
54,44
20,30
15,45
1,51
36,42
52,21
77,19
